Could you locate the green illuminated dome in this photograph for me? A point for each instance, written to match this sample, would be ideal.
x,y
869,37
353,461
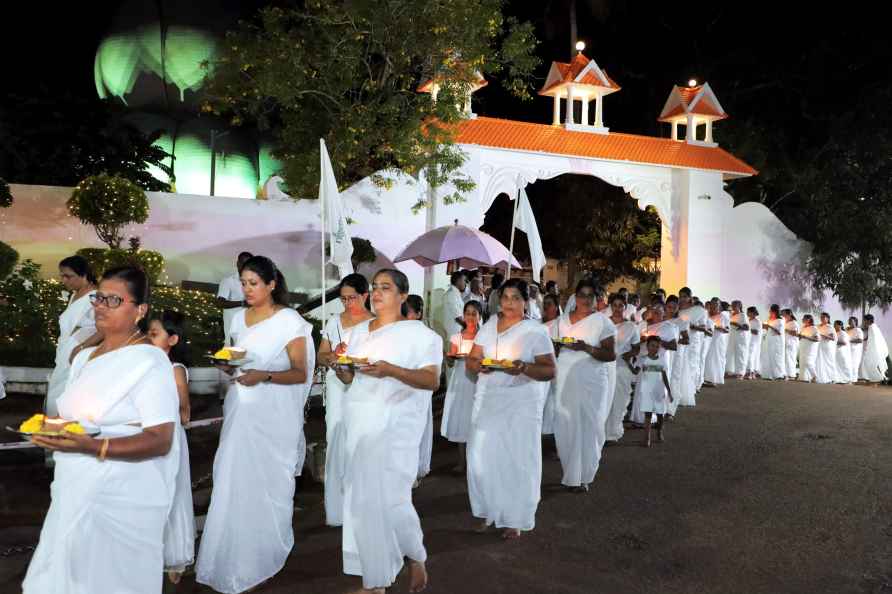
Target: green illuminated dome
x,y
151,60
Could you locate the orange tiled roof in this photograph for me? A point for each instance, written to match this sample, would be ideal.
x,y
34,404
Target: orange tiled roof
x,y
524,136
569,72
703,107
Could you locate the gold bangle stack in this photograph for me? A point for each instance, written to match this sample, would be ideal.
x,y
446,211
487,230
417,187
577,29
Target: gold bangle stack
x,y
103,450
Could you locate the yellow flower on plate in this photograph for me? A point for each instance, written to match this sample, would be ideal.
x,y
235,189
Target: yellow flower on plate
x,y
568,340
35,423
344,360
487,361
223,354
75,428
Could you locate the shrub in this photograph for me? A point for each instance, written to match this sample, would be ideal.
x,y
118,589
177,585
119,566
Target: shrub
x,y
102,259
5,194
8,259
108,204
204,318
29,317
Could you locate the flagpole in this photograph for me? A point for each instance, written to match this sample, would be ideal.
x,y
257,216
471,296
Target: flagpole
x,y
511,243
322,228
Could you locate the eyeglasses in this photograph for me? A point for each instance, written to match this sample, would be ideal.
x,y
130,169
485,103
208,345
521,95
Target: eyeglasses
x,y
109,301
585,296
349,299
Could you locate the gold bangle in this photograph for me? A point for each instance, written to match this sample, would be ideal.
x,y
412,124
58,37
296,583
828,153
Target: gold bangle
x,y
103,450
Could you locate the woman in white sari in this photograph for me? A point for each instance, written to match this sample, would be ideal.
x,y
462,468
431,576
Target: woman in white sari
x,y
739,346
791,343
695,315
248,533
505,448
825,366
76,324
708,335
774,366
385,414
808,349
582,388
680,376
873,361
111,493
413,309
455,425
856,343
714,370
843,354
354,295
754,360
626,345
551,313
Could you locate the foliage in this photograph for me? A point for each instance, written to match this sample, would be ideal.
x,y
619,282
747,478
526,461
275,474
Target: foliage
x,y
29,317
8,259
363,251
204,318
852,207
5,194
52,138
349,72
101,260
108,203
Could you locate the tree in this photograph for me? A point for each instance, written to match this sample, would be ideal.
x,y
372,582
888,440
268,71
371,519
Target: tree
x,y
852,208
5,194
58,140
108,203
349,72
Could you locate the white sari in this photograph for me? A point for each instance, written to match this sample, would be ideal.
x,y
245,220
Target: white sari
x,y
248,534
754,360
455,424
627,338
791,346
873,362
76,324
843,359
104,529
179,533
825,367
739,346
680,378
704,351
774,366
714,371
808,354
552,328
667,331
582,400
695,316
856,333
385,419
505,449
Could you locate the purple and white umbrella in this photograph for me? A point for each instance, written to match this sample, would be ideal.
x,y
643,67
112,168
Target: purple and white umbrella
x,y
470,247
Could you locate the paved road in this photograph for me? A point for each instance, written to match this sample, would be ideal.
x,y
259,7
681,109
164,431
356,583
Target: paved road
x,y
762,488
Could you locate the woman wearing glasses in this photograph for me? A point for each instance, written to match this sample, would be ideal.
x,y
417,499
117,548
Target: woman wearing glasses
x,y
354,291
248,533
111,493
76,324
582,388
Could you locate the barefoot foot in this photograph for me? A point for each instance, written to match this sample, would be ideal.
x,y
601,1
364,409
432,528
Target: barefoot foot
x,y
510,534
482,527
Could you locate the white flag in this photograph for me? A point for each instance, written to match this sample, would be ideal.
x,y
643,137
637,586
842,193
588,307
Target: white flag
x,y
526,222
340,243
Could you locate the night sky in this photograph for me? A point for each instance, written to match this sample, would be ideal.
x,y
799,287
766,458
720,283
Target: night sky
x,y
781,66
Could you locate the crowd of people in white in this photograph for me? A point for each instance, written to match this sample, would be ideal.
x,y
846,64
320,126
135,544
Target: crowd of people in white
x,y
518,366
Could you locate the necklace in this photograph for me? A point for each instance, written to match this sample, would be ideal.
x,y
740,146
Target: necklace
x,y
136,335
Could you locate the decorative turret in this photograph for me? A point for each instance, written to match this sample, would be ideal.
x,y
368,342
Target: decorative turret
x,y
693,106
579,80
432,86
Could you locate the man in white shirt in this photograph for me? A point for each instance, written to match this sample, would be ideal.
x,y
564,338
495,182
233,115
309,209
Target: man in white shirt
x,y
453,305
534,305
475,293
495,294
230,295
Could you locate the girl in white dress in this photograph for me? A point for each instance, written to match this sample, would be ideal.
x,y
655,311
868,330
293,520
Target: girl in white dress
x,y
76,325
505,448
583,397
808,349
774,367
825,367
551,311
791,343
459,405
739,346
413,309
354,295
653,391
856,343
111,494
668,335
386,412
843,354
753,363
714,371
248,533
166,333
627,345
